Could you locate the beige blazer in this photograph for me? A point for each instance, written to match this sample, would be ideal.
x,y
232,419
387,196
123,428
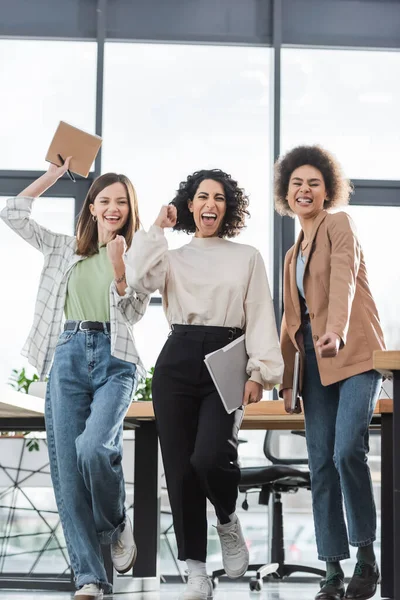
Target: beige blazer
x,y
338,298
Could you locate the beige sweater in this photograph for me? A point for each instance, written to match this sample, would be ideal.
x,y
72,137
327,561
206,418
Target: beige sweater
x,y
211,281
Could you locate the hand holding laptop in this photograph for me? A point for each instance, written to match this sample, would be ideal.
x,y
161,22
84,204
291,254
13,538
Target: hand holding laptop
x,y
291,396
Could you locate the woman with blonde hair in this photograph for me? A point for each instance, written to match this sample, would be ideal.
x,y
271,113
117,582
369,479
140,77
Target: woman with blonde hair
x,y
94,366
330,317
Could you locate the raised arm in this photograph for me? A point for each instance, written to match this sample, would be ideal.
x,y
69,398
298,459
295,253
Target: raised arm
x,y
17,212
265,365
147,258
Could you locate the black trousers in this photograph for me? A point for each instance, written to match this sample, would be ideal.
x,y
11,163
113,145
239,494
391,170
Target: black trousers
x,y
198,438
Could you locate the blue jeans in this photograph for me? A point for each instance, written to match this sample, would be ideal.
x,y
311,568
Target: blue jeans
x,y
337,421
88,394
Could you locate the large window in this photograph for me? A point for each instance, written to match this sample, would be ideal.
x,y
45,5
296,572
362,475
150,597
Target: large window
x,y
170,110
19,273
347,101
43,83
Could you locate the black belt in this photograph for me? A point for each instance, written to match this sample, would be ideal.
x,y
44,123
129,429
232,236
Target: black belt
x,y
87,326
230,332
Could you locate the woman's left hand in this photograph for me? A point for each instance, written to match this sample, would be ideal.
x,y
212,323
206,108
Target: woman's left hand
x,y
253,392
116,249
328,345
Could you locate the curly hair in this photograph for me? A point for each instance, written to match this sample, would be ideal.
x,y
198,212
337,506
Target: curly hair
x,y
236,203
338,188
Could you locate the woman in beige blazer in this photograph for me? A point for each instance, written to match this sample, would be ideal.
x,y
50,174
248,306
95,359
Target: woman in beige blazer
x,y
330,317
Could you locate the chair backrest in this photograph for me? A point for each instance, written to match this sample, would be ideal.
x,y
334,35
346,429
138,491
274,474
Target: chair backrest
x,y
295,444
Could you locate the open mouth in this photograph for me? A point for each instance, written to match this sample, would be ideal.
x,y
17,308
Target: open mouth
x,y
208,218
304,200
112,219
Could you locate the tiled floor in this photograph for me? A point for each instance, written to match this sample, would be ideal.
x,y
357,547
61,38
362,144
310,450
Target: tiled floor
x,y
225,591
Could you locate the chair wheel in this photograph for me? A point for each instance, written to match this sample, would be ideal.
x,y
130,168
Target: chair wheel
x,y
214,582
255,584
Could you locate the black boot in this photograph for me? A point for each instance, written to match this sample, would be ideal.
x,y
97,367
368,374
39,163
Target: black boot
x,y
364,581
332,588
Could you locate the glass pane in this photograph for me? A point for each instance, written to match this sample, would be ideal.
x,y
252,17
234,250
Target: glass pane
x,y
378,230
19,275
47,82
185,108
347,101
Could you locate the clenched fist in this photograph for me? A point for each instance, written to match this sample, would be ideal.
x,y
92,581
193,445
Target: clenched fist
x,y
116,249
167,217
328,345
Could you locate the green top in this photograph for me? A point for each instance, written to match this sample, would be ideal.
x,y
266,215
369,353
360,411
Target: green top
x,y
88,291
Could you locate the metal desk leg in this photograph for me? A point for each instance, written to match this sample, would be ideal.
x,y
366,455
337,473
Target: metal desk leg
x,y
387,506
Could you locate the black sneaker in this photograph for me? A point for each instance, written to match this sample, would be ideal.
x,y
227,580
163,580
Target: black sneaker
x,y
332,588
364,581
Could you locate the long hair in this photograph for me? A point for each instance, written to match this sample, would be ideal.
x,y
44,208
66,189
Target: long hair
x,y
86,229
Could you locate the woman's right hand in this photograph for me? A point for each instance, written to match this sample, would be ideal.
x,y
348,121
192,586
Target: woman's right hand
x,y
167,217
55,172
287,400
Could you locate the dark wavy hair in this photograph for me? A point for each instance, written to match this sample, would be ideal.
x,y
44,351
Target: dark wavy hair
x,y
338,188
236,203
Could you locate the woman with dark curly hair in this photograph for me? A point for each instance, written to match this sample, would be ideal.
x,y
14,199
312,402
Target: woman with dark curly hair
x,y
330,317
213,290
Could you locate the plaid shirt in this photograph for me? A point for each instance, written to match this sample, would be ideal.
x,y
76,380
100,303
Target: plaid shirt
x,y
59,259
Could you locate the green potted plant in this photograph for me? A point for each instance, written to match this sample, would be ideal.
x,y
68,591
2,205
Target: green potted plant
x,y
143,391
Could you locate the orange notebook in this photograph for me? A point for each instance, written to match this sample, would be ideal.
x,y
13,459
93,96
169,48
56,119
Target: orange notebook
x,y
71,141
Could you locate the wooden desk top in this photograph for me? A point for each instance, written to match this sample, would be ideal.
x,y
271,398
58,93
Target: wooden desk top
x,y
263,415
17,404
387,361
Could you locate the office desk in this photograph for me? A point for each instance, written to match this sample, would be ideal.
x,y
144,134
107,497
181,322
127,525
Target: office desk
x,y
19,412
261,416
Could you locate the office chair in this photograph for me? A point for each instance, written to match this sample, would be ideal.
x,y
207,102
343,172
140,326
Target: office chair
x,y
272,481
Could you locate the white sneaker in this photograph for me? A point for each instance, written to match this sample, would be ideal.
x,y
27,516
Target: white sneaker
x,y
235,554
124,551
199,587
90,591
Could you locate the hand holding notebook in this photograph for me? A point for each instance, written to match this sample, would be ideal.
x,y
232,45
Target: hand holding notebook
x,y
80,145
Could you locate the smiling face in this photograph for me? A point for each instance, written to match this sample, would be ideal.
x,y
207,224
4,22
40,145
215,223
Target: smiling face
x,y
111,210
306,192
208,207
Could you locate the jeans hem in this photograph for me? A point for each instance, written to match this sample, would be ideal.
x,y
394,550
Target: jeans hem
x,y
336,558
363,544
110,537
87,579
